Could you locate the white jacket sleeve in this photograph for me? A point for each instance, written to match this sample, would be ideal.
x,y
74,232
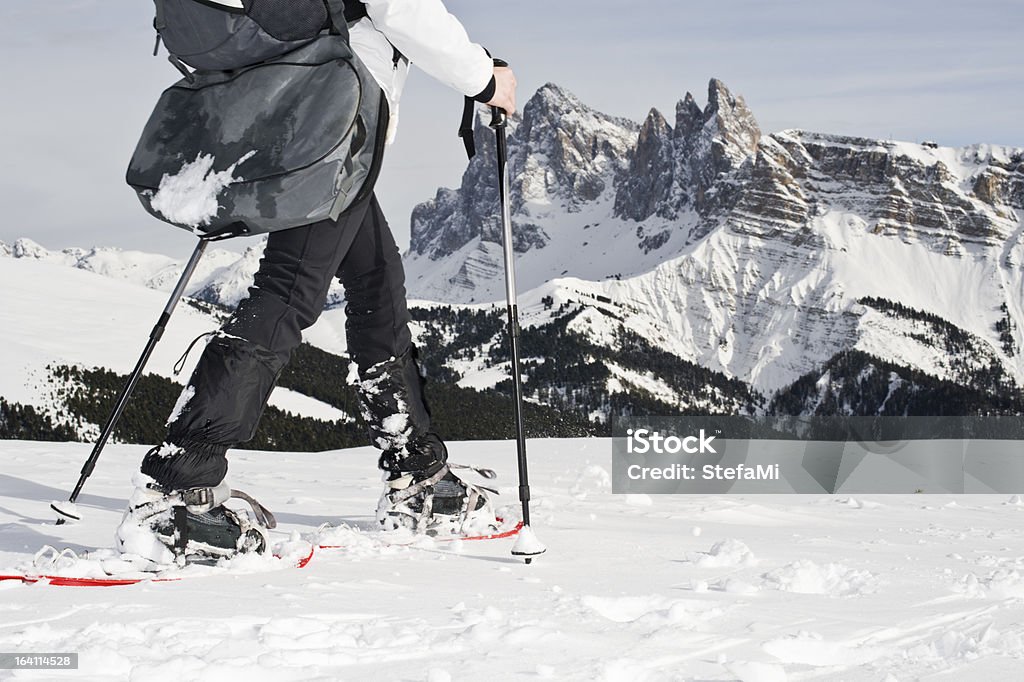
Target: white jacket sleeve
x,y
434,40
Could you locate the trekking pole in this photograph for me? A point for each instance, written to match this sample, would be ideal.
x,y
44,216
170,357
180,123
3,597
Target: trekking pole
x,y
67,510
527,545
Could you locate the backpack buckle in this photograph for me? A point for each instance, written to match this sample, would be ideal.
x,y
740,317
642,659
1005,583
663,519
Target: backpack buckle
x,y
182,68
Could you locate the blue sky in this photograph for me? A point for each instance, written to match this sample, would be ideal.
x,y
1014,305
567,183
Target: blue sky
x,y
79,84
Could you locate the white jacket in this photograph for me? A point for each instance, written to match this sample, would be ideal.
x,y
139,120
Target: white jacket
x,y
424,33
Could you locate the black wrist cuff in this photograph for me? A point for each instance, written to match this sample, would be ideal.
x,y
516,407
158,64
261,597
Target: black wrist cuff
x,y
487,94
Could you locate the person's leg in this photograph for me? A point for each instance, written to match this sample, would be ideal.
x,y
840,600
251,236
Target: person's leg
x,y
421,492
225,397
379,342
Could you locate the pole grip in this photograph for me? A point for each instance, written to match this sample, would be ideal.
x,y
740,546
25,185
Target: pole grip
x,y
499,117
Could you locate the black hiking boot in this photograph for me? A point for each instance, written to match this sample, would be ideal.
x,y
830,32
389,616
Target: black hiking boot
x,y
436,501
177,527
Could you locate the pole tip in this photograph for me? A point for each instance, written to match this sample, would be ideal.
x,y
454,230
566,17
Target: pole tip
x,y
527,545
67,511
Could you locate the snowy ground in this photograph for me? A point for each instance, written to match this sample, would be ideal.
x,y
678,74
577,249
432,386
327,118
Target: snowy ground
x,y
633,587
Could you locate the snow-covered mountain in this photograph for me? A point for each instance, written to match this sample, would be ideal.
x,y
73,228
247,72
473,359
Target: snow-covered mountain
x,y
222,277
743,252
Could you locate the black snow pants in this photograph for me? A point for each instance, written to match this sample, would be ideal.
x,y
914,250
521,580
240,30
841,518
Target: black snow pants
x,y
225,397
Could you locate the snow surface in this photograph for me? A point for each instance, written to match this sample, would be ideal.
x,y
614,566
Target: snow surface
x,y
756,588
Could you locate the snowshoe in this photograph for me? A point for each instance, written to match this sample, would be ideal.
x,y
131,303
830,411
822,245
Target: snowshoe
x,y
177,527
437,502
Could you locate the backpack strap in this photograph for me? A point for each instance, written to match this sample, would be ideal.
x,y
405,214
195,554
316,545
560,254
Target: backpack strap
x,y
159,24
354,11
342,12
466,126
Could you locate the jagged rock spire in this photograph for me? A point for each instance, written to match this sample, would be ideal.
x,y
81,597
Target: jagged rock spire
x,y
674,168
648,181
736,131
689,117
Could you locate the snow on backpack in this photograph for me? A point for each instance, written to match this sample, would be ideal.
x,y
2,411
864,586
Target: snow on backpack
x,y
278,125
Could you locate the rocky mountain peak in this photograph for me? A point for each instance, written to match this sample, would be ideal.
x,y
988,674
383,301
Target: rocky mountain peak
x,y
689,117
643,187
734,123
565,152
553,98
655,124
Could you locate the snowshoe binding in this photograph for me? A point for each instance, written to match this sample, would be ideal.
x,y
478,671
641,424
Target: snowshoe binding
x,y
178,527
437,502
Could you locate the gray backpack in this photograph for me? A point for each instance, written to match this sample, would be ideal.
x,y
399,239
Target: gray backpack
x,y
278,125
